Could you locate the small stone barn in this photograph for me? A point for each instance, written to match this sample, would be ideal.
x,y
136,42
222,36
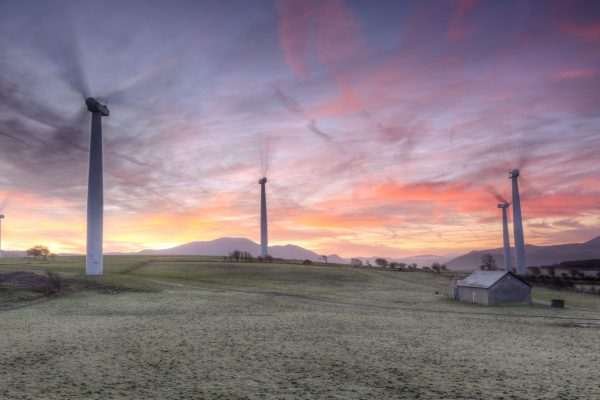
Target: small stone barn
x,y
493,288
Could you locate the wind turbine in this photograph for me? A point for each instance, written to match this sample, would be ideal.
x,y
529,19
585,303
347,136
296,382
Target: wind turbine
x,y
518,223
507,262
264,241
55,36
1,218
95,196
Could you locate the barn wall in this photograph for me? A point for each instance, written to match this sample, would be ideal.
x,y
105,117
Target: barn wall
x,y
466,294
509,290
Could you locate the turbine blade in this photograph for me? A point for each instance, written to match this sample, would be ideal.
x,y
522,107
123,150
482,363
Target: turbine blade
x,y
280,194
69,136
492,190
54,35
265,147
115,95
3,203
16,139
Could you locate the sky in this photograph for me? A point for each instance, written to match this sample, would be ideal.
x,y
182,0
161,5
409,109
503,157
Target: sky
x,y
384,127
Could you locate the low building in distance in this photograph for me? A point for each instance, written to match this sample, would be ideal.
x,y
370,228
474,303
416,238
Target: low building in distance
x,y
493,288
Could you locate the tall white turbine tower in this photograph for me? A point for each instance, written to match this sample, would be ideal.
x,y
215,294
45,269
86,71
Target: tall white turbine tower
x,y
506,240
95,200
1,218
264,241
518,223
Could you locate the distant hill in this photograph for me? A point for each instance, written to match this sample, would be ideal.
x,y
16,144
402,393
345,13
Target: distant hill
x,y
13,253
217,247
223,246
535,255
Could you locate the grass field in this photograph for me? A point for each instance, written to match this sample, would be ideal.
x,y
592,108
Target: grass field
x,y
198,328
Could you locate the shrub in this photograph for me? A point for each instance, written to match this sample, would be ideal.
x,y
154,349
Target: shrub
x,y
535,271
382,262
56,284
356,262
51,284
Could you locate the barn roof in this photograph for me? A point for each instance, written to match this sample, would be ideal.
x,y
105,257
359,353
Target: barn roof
x,y
485,279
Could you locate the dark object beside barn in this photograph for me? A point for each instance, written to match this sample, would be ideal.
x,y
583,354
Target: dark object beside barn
x,y
556,303
493,288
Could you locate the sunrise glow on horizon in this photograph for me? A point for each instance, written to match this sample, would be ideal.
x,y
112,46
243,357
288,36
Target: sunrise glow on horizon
x,y
385,128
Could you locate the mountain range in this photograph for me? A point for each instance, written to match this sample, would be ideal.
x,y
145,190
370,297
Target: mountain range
x,y
223,246
535,255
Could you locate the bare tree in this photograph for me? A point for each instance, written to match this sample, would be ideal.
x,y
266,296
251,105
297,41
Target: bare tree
x,y
39,251
235,255
357,262
488,263
382,262
34,251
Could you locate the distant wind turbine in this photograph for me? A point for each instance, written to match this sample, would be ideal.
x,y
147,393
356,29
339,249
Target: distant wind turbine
x,y
264,241
1,218
518,223
507,261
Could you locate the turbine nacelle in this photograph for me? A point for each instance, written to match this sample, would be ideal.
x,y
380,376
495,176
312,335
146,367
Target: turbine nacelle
x,y
503,205
262,181
94,105
513,174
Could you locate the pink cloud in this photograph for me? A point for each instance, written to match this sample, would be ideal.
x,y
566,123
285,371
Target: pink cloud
x,y
332,29
338,34
294,26
329,26
347,102
589,32
576,74
461,25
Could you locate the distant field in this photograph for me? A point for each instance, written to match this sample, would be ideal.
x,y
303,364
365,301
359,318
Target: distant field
x,y
200,328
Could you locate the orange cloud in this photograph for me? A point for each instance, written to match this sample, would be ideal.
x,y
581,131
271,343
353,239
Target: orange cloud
x,y
345,104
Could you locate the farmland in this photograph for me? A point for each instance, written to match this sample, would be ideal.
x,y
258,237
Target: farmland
x,y
200,328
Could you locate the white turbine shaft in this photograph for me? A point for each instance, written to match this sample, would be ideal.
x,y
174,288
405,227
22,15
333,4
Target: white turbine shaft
x,y
505,237
95,203
264,241
95,200
1,218
518,224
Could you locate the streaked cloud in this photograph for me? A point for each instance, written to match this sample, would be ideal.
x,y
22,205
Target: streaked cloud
x,y
384,129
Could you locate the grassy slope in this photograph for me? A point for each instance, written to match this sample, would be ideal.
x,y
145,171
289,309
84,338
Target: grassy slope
x,y
287,331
